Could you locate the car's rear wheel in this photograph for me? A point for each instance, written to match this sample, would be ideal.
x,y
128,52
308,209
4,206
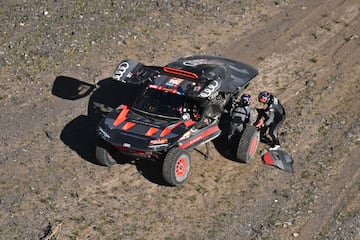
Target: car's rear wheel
x,y
105,153
176,167
248,144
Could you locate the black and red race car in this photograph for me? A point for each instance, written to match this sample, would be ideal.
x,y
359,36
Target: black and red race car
x,y
179,109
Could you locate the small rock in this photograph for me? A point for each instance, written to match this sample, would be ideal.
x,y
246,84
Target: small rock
x,y
295,234
310,83
281,2
329,88
49,135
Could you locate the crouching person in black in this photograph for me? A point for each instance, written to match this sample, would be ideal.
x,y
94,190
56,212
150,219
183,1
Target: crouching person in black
x,y
240,116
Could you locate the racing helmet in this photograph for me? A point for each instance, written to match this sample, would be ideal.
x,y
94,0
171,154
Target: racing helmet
x,y
245,99
264,97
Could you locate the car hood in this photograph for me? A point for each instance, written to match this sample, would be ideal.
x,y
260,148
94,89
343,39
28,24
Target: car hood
x,y
132,129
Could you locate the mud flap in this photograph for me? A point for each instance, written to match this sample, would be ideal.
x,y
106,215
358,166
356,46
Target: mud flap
x,y
278,158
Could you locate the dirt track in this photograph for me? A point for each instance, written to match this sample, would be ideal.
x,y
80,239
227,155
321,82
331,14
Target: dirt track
x,y
307,53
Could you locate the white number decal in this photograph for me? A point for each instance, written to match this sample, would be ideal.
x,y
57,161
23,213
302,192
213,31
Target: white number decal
x,y
120,70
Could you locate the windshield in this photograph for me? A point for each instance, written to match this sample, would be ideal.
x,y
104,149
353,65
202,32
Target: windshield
x,y
161,103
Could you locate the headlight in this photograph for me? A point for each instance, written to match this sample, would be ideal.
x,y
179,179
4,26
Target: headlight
x,y
103,133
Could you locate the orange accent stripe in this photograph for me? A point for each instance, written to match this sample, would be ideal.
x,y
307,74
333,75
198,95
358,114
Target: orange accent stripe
x,y
151,131
128,125
168,130
181,72
165,132
122,116
202,136
189,123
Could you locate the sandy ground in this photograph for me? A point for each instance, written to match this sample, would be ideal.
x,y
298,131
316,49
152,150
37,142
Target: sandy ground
x,y
307,53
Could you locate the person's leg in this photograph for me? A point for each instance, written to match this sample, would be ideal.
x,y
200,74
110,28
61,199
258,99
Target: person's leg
x,y
273,131
233,130
263,137
239,129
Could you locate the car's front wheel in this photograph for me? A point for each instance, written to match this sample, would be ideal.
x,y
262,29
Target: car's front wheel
x,y
105,153
176,167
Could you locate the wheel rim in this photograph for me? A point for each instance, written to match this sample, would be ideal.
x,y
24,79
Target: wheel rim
x,y
253,145
181,167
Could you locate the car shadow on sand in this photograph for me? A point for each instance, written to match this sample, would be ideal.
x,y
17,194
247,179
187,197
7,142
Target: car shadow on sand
x,y
80,133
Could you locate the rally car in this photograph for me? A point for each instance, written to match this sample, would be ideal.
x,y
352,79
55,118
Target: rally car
x,y
179,108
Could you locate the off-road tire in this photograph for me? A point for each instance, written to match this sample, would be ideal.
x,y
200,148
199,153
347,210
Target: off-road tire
x,y
176,167
104,153
248,143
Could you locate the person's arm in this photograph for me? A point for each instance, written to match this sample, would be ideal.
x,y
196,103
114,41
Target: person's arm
x,y
271,116
252,116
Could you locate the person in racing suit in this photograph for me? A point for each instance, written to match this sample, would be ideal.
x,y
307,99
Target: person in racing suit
x,y
240,116
275,117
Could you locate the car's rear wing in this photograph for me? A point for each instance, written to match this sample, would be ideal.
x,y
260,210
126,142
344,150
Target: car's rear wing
x,y
236,76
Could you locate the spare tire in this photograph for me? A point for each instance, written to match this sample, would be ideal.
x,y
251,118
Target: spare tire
x,y
248,143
